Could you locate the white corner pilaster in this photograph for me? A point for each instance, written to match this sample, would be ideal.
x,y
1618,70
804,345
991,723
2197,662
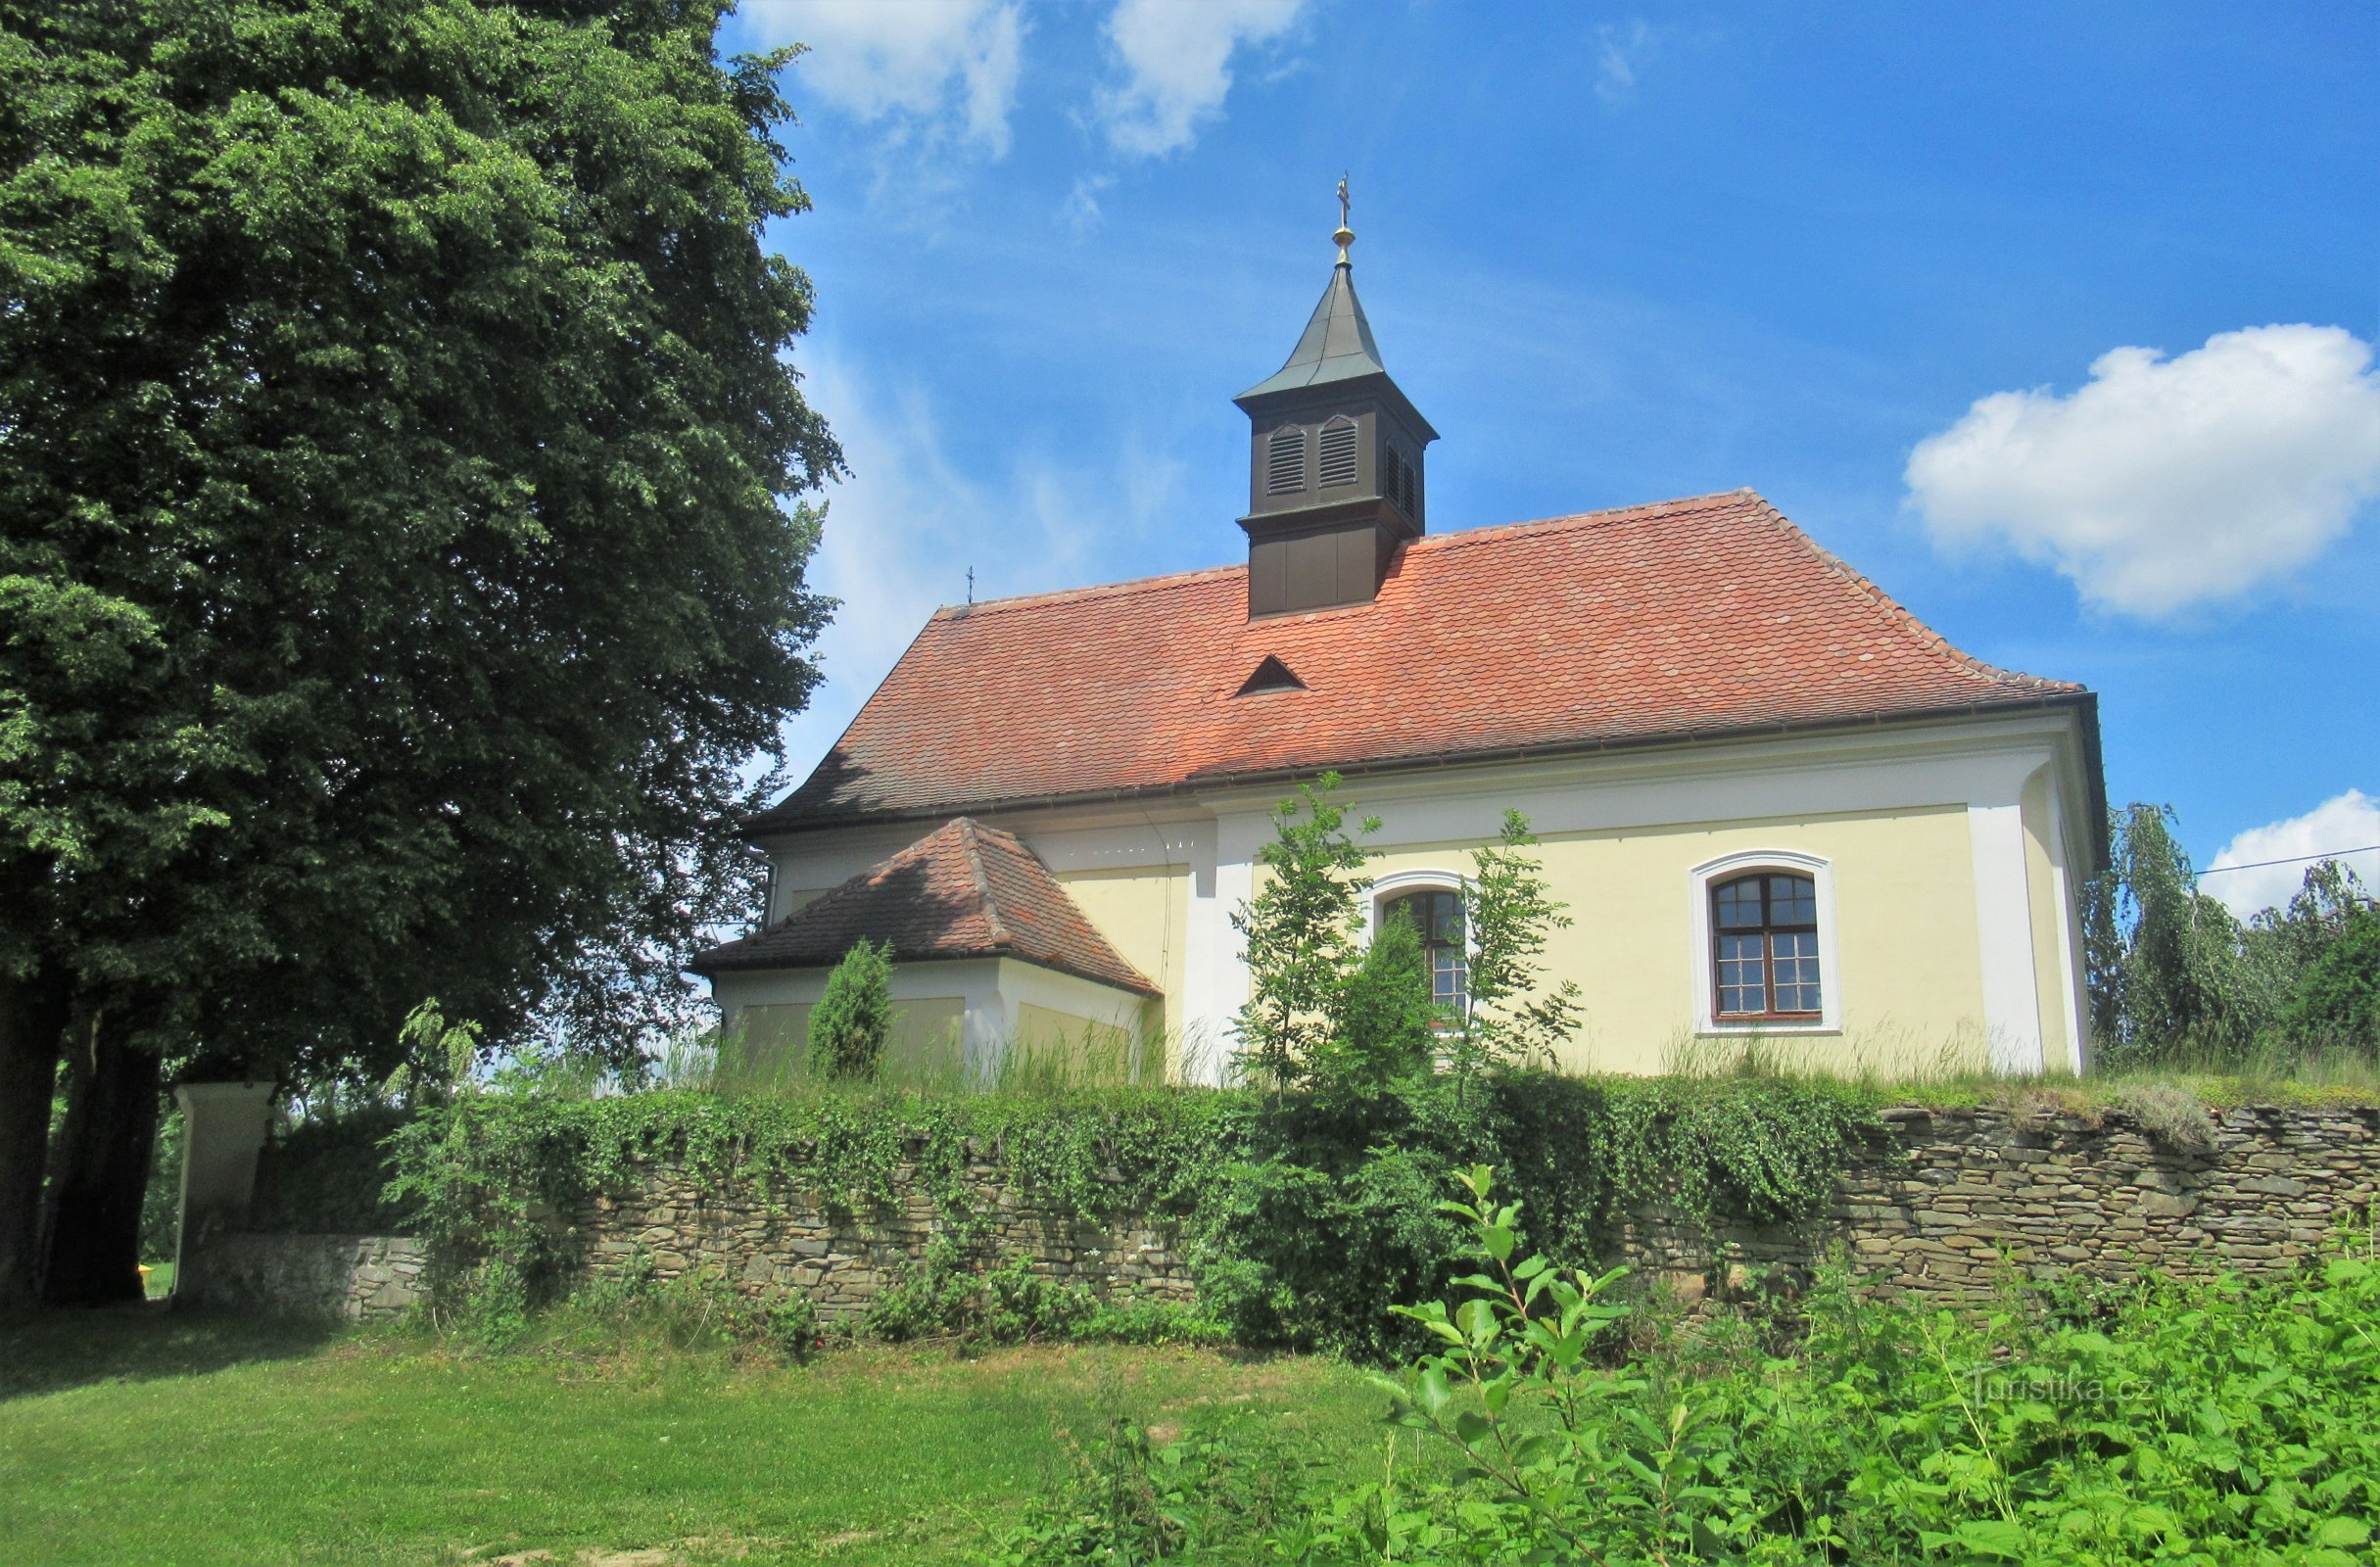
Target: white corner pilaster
x,y
2004,938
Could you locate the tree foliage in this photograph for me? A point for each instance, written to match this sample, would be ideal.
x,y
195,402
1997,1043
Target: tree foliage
x,y
1512,909
398,587
853,1016
2175,976
1384,1025
396,581
1301,927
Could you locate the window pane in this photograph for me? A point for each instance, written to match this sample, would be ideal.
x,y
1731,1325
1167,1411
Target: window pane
x,y
1793,900
1450,976
1741,976
1796,971
1737,905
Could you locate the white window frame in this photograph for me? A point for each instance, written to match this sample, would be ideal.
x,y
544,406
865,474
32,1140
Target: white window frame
x,y
1699,882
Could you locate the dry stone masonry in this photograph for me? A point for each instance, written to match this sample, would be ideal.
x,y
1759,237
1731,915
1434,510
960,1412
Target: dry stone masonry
x,y
844,1260
1941,1205
1944,1204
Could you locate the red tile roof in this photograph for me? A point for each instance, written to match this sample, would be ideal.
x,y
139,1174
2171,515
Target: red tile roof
x,y
964,890
1685,619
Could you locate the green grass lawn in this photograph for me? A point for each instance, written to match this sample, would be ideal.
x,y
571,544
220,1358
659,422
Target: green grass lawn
x,y
161,1438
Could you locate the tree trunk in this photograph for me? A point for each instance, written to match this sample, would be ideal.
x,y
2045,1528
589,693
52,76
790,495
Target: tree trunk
x,y
102,1168
33,1018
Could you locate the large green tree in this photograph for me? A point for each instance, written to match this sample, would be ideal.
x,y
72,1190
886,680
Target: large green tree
x,y
397,575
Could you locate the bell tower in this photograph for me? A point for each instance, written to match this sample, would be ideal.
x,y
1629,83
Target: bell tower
x,y
1335,461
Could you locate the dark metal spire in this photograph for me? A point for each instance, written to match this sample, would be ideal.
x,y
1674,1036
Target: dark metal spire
x,y
1337,345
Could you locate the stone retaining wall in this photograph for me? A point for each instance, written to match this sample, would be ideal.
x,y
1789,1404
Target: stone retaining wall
x,y
353,1276
1940,1205
843,1261
1945,1202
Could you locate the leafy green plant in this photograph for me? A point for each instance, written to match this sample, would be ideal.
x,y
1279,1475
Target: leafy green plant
x,y
1512,909
2178,1421
1384,1025
1301,928
2337,999
853,1016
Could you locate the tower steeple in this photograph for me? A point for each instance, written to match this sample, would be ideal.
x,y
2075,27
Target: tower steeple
x,y
1335,472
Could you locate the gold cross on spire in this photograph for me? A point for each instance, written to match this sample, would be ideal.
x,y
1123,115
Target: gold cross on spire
x,y
1346,236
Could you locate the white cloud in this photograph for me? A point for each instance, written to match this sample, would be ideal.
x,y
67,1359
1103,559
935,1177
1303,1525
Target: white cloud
x,y
1176,60
2350,821
1082,212
903,530
934,68
1625,51
2167,483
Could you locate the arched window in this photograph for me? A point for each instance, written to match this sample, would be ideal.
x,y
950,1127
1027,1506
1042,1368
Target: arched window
x,y
1764,947
1436,916
1285,461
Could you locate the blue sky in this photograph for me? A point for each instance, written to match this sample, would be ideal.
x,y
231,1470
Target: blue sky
x,y
1623,253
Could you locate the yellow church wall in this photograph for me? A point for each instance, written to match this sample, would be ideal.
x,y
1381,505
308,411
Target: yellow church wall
x,y
1908,982
1142,913
772,1043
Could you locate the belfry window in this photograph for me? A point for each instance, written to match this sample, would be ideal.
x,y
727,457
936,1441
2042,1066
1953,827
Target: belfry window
x,y
1285,461
1338,453
1764,946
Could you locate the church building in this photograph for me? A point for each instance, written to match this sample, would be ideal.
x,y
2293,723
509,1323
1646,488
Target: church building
x,y
1776,803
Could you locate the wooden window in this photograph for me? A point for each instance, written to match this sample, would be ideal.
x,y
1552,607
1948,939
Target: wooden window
x,y
1285,461
1438,918
1764,946
1338,453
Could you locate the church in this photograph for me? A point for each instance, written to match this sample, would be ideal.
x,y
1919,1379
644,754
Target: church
x,y
1780,808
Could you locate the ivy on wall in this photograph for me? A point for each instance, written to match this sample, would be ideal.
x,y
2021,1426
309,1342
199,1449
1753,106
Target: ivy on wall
x,y
1300,1213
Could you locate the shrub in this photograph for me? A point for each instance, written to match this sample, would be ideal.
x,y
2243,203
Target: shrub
x,y
853,1016
1386,1026
2211,1421
2337,999
1300,1213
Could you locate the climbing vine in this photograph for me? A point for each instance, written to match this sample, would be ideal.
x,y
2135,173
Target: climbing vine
x,y
1300,1213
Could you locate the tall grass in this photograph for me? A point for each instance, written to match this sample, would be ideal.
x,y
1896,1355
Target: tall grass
x,y
1021,1062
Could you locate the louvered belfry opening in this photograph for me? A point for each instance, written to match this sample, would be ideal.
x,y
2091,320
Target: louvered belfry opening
x,y
1285,462
1338,453
1335,480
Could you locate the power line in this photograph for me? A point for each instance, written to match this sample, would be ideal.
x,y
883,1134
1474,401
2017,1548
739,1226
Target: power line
x,y
2295,859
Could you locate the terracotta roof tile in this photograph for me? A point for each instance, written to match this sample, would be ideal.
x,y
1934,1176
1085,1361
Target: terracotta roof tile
x,y
964,890
1693,617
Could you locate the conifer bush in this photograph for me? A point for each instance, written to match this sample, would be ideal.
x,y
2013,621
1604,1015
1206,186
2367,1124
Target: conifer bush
x,y
853,1017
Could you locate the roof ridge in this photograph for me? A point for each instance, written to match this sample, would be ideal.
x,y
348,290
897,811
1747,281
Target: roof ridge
x,y
1102,589
1605,517
1164,581
971,850
1900,615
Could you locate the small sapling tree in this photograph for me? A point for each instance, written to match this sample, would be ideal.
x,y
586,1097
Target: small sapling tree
x,y
853,1019
1512,911
1301,930
1385,1024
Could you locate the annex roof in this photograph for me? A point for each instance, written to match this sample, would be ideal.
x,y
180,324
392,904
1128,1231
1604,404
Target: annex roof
x,y
964,890
1686,619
